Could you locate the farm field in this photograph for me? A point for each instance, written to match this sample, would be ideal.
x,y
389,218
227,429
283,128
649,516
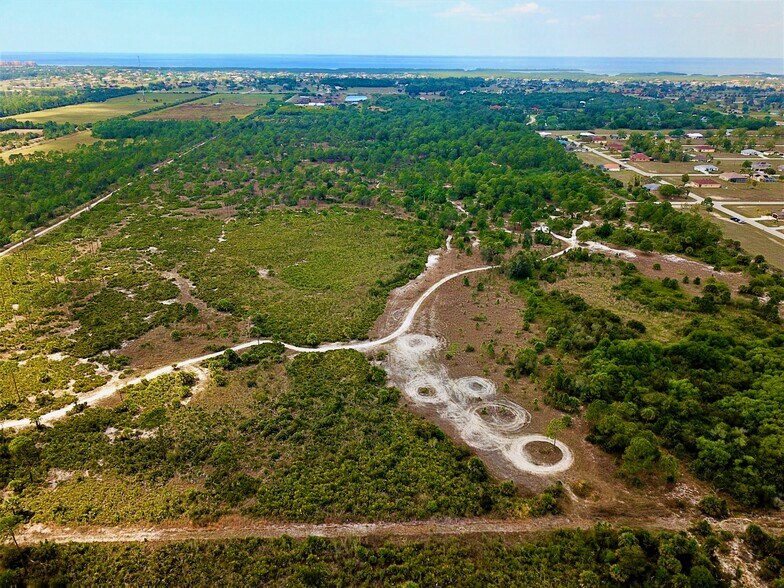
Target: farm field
x,y
215,107
64,143
91,112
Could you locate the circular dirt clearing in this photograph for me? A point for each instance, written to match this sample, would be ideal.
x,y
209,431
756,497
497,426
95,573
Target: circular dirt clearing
x,y
474,388
427,389
525,460
503,416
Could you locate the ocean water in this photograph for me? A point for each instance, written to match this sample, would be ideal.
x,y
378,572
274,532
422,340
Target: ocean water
x,y
596,65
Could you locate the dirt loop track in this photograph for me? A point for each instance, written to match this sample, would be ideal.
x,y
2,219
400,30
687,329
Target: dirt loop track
x,y
235,527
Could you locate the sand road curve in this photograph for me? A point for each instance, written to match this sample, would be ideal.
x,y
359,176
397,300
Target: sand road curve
x,y
116,384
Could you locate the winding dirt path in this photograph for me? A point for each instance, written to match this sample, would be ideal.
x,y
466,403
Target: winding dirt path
x,y
116,384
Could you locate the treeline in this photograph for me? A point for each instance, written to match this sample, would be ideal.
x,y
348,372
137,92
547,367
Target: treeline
x,y
39,187
12,103
413,86
418,155
712,396
591,110
599,557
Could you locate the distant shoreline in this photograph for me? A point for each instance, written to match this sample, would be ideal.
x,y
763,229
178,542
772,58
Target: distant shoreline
x,y
700,66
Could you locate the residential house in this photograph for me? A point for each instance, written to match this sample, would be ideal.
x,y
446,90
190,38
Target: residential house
x,y
706,169
639,157
700,157
760,166
704,148
778,215
613,146
763,177
694,135
734,178
751,153
611,167
704,183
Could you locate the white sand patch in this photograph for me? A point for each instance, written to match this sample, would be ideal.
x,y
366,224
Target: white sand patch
x,y
470,404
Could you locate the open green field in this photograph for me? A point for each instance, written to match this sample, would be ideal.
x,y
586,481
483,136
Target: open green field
x,y
91,112
215,107
304,277
65,143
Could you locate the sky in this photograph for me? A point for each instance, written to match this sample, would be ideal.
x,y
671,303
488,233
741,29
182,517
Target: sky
x,y
590,28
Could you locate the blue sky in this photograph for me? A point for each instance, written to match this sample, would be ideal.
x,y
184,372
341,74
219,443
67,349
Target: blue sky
x,y
634,28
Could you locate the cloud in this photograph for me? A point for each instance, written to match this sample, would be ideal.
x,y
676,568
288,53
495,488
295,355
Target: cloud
x,y
592,17
527,8
466,10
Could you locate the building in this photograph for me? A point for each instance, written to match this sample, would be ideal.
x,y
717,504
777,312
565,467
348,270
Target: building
x,y
734,178
613,146
760,166
611,167
652,187
706,168
700,157
639,157
704,148
778,215
751,153
763,177
704,183
694,135
355,98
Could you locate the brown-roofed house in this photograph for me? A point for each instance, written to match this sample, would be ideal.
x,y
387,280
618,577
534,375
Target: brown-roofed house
x,y
704,183
734,178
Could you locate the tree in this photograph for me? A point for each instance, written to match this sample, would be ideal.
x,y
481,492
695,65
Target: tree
x,y
554,427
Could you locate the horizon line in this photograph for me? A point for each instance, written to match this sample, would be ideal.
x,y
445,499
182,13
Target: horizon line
x,y
132,53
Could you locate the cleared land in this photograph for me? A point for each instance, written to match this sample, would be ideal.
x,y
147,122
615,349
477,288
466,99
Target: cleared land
x,y
752,240
91,112
66,143
215,107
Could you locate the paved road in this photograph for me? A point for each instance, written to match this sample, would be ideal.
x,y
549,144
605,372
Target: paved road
x,y
720,205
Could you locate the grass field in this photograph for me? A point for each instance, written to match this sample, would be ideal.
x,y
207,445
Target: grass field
x,y
215,107
124,272
91,112
66,143
752,240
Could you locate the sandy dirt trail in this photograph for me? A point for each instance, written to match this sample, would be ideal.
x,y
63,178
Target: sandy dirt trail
x,y
113,386
237,527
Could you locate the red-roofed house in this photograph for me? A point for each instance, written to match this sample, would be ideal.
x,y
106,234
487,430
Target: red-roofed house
x,y
639,157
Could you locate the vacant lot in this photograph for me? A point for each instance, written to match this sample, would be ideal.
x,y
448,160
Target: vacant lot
x,y
66,143
215,107
90,112
753,240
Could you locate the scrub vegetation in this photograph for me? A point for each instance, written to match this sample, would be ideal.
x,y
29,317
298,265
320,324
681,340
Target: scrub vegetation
x,y
598,557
